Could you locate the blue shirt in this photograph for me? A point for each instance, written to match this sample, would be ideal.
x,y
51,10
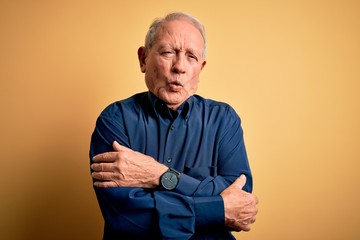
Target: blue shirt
x,y
203,140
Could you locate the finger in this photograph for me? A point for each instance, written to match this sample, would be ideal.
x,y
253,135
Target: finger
x,y
105,157
256,199
97,175
240,181
103,176
117,147
106,184
246,228
102,167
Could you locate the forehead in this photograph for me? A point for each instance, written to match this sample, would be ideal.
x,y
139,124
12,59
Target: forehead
x,y
179,32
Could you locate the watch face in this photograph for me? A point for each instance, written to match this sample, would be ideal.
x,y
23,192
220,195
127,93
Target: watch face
x,y
169,180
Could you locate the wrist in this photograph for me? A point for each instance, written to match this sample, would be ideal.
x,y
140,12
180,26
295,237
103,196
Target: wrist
x,y
169,180
160,171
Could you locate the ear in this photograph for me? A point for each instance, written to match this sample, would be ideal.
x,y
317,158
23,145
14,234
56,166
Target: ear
x,y
142,54
203,64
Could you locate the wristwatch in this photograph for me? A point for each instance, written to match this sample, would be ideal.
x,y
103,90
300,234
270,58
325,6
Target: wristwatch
x,y
169,179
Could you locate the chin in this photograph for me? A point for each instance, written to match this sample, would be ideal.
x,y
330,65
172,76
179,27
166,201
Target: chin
x,y
173,98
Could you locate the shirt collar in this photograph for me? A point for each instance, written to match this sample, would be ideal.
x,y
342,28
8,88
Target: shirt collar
x,y
161,108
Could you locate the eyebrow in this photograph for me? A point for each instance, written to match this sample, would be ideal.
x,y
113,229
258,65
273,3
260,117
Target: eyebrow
x,y
168,46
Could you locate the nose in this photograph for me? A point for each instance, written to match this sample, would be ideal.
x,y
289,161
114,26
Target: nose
x,y
179,64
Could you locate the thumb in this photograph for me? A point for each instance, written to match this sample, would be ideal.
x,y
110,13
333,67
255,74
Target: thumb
x,y
117,147
240,181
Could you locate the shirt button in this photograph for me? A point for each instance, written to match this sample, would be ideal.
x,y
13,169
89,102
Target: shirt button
x,y
172,128
169,159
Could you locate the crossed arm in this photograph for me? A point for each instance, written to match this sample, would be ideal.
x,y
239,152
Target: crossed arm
x,y
126,168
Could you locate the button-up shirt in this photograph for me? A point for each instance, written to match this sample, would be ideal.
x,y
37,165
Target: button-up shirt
x,y
203,140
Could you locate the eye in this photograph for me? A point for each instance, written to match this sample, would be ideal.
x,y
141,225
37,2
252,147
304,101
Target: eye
x,y
167,53
192,57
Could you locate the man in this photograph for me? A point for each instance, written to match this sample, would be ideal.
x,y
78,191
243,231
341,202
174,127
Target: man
x,y
168,164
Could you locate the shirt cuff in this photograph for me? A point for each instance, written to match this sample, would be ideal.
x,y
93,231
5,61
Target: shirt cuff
x,y
209,211
187,185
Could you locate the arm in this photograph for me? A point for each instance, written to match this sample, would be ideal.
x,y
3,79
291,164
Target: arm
x,y
141,211
143,171
192,197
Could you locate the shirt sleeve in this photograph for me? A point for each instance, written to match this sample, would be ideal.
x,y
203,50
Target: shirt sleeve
x,y
232,157
148,212
141,213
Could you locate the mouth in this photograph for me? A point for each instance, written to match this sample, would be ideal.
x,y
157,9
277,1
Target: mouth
x,y
175,86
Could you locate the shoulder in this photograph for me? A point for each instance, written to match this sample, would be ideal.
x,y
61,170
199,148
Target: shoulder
x,y
213,107
210,103
124,106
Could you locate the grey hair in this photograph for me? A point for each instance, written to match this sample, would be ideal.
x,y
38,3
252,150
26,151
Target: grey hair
x,y
150,36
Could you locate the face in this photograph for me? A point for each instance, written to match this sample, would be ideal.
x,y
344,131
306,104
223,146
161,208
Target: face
x,y
173,64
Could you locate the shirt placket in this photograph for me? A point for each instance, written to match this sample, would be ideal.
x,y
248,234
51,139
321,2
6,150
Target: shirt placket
x,y
170,144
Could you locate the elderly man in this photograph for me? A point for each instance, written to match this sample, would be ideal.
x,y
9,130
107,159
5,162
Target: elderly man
x,y
169,164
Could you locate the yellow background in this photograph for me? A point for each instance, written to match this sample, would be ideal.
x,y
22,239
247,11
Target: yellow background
x,y
291,69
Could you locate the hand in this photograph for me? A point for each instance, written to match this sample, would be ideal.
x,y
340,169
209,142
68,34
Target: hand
x,y
240,206
126,168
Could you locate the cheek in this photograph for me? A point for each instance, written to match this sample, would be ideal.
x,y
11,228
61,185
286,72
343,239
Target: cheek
x,y
158,74
155,73
195,78
195,82
194,85
151,79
